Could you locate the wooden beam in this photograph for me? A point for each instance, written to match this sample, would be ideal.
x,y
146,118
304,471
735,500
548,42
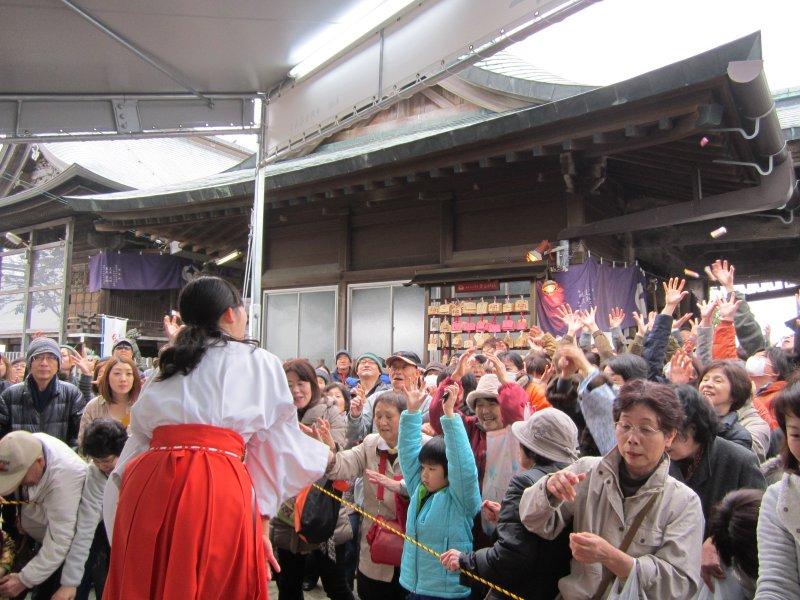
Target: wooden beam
x,y
774,192
740,230
437,98
685,126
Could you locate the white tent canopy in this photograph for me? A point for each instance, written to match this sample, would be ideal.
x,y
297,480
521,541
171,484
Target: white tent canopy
x,y
140,68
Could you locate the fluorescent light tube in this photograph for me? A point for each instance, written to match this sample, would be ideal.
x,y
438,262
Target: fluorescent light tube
x,y
228,257
357,31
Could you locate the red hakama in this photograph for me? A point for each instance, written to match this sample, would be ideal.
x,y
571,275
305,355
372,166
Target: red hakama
x,y
187,525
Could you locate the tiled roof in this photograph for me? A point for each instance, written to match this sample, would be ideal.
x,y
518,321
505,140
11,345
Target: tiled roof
x,y
511,65
146,162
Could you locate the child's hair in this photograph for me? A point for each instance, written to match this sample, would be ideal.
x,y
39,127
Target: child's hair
x,y
433,453
538,459
733,529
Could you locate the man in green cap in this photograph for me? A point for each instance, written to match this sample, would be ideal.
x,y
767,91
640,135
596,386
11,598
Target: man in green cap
x,y
369,368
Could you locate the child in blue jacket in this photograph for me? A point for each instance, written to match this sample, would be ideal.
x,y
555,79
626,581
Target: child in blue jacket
x,y
442,479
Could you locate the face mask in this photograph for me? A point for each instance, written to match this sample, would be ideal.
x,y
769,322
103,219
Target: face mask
x,y
430,380
756,366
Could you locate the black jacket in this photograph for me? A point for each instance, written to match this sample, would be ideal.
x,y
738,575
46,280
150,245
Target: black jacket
x,y
82,382
733,431
61,418
724,467
519,560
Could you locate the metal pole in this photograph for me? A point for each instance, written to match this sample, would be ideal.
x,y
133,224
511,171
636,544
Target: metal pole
x,y
256,248
68,243
172,73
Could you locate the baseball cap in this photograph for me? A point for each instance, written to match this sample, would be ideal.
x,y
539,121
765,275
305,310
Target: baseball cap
x,y
405,356
18,451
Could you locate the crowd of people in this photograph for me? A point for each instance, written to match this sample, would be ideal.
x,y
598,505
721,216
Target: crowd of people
x,y
663,464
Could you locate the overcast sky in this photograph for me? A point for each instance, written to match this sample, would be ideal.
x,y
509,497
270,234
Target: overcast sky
x,y
616,39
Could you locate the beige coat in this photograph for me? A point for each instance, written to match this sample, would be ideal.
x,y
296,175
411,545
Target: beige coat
x,y
757,427
667,545
96,408
282,532
352,463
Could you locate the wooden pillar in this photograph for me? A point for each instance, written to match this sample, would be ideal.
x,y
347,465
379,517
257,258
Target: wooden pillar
x,y
446,228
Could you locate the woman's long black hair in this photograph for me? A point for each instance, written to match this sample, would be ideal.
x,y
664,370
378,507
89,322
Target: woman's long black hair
x,y
201,303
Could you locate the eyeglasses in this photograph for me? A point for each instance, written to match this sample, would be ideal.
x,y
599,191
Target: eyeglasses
x,y
626,430
106,461
44,357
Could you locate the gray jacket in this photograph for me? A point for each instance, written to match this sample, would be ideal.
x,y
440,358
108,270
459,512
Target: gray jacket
x,y
779,541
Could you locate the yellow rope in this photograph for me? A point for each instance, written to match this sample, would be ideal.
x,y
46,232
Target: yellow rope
x,y
25,502
411,540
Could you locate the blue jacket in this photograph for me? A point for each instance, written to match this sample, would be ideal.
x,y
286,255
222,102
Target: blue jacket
x,y
444,520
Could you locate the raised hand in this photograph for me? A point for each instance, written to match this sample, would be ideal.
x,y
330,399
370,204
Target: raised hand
x,y
462,367
449,401
561,484
549,371
576,358
616,317
707,311
172,326
694,324
588,318
415,396
728,308
682,321
724,273
499,369
84,364
641,326
357,402
681,369
673,294
651,320
570,319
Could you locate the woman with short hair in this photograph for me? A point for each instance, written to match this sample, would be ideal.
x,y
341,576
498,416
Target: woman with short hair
x,y
726,386
628,490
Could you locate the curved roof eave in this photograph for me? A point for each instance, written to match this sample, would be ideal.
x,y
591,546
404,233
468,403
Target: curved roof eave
x,y
69,173
524,89
692,71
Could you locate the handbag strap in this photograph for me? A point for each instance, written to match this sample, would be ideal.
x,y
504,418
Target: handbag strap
x,y
608,576
382,471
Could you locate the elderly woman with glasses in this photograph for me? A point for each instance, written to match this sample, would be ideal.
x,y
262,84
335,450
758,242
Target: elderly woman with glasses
x,y
625,496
